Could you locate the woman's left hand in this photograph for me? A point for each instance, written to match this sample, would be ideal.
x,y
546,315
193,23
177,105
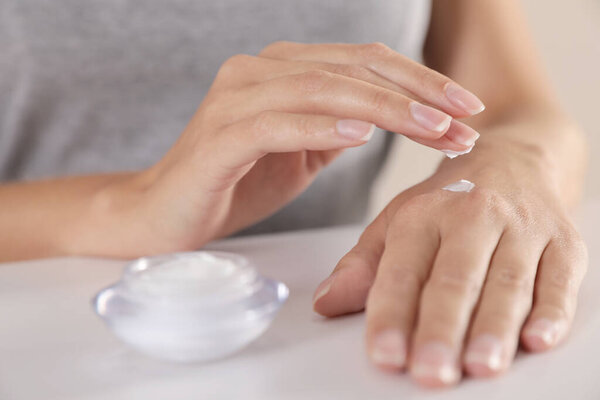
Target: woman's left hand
x,y
453,280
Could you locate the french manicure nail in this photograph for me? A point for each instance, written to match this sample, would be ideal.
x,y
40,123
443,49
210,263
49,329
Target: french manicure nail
x,y
430,118
462,134
434,364
453,154
484,354
544,332
464,99
323,288
355,129
389,349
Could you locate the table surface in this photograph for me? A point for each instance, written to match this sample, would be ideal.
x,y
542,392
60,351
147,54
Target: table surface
x,y
52,345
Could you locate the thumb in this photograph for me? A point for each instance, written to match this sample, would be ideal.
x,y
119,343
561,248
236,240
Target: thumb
x,y
346,289
248,140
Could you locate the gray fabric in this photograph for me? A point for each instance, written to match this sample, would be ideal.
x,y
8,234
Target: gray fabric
x,y
108,85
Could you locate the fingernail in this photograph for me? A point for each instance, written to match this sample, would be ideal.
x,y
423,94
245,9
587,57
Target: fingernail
x,y
434,364
389,349
543,333
430,118
484,355
323,288
464,99
453,154
355,129
462,134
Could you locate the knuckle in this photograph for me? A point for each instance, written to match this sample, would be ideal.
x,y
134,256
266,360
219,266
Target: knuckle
x,y
418,203
511,278
574,252
360,263
305,126
236,61
262,123
423,76
375,49
500,314
569,239
352,70
381,101
562,278
485,203
524,215
274,48
426,77
456,280
411,209
314,81
233,65
399,280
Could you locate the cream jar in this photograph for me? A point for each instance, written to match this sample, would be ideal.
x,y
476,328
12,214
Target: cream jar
x,y
190,306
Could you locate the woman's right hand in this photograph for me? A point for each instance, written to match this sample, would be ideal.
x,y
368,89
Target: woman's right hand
x,y
266,127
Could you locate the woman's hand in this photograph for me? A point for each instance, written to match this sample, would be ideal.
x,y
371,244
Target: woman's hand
x,y
267,126
452,280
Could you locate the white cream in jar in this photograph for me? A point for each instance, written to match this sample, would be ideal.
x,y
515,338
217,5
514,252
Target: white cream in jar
x,y
190,306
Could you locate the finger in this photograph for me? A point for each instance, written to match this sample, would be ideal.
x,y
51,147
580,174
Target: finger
x,y
560,273
458,135
258,69
451,292
410,247
424,82
242,70
504,305
248,140
321,92
346,289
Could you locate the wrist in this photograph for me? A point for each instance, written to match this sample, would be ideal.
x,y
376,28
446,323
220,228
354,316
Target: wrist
x,y
539,153
109,219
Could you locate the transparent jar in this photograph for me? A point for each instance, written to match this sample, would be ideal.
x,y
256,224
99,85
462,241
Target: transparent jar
x,y
192,306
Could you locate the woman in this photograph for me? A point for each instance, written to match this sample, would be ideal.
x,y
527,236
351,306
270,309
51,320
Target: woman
x,y
450,281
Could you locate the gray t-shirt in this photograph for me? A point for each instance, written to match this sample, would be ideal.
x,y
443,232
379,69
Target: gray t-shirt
x,y
108,85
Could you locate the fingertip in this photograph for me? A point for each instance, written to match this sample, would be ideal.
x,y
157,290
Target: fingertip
x,y
345,291
323,288
434,365
387,350
542,334
484,357
355,129
320,305
462,134
465,100
434,121
480,370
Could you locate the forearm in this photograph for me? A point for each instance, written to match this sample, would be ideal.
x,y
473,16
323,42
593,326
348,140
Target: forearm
x,y
524,131
65,216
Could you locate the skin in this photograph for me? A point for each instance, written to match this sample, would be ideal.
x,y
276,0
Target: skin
x,y
452,282
267,126
435,270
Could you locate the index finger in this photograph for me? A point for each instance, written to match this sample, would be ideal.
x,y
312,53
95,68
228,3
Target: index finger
x,y
437,89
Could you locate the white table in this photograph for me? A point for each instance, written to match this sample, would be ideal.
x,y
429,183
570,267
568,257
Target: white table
x,y
52,346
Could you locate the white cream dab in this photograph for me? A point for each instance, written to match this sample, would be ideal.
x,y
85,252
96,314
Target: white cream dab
x,y
461,186
453,154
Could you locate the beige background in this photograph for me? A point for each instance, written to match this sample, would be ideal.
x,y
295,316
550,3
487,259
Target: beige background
x,y
567,34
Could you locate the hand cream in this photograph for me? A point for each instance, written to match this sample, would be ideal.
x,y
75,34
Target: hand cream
x,y
190,306
461,186
453,153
